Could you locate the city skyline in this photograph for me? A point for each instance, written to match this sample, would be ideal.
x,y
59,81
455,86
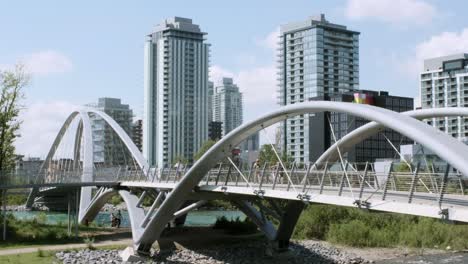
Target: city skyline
x,y
407,40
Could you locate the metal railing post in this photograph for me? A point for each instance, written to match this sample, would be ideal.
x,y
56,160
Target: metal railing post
x,y
361,187
293,166
276,175
387,182
444,185
306,176
340,190
262,176
228,175
219,173
325,170
413,183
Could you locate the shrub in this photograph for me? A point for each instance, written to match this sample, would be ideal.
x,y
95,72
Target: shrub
x,y
116,200
89,241
236,226
355,227
41,218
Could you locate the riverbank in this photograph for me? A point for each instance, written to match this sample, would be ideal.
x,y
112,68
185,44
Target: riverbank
x,y
204,245
257,251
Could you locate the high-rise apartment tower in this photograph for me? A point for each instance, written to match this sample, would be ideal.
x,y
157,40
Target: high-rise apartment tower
x,y
315,58
227,105
176,83
444,83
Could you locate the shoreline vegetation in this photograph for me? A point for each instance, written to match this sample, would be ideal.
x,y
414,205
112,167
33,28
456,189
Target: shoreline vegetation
x,y
337,225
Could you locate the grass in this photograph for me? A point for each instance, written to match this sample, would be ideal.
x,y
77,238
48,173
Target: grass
x,y
36,232
47,257
358,228
16,199
43,256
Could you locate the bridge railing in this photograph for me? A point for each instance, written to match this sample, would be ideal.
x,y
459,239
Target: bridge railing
x,y
352,180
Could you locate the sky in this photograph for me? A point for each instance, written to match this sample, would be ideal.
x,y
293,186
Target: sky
x,y
79,51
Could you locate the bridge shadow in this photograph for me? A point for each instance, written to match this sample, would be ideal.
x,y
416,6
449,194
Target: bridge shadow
x,y
200,245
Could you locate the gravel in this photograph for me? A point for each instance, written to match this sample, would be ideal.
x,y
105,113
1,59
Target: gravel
x,y
252,252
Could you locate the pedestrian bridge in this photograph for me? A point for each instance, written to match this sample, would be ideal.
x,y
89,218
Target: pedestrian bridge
x,y
262,191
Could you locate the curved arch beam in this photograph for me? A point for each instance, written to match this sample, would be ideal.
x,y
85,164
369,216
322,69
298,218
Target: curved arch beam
x,y
125,139
95,206
361,133
443,145
136,214
50,154
88,165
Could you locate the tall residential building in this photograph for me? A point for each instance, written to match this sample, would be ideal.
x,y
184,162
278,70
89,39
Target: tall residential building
x,y
215,130
137,133
108,148
331,126
210,100
315,58
227,105
176,83
444,83
252,143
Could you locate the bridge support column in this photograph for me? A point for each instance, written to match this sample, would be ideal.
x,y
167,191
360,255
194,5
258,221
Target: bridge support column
x,y
278,237
288,221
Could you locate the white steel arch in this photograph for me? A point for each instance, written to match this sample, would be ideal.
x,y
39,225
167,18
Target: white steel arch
x,y
137,155
85,129
361,133
445,146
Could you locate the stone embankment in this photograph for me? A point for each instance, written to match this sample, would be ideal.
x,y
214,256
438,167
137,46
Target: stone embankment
x,y
252,252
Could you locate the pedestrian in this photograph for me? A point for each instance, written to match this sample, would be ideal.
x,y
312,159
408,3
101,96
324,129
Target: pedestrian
x,y
119,218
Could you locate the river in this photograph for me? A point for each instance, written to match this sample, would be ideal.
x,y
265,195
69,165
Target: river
x,y
194,218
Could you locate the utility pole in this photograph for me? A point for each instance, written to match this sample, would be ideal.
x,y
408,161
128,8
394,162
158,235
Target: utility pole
x,y
69,215
4,194
77,200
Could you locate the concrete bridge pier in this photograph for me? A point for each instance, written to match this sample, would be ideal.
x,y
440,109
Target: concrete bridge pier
x,y
287,224
279,237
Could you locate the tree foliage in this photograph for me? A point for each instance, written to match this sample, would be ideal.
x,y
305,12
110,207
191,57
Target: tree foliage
x,y
267,154
204,148
12,83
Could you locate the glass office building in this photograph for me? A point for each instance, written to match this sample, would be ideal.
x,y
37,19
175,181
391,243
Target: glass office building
x,y
315,58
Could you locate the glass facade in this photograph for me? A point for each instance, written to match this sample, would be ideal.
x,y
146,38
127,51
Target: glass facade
x,y
176,111
315,58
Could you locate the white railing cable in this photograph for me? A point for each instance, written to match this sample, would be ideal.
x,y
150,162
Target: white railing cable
x,y
279,159
341,158
403,158
239,171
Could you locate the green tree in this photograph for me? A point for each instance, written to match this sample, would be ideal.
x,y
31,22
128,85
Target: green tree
x,y
267,154
180,159
12,83
204,148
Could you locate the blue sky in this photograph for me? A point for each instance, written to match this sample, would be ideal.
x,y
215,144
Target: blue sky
x,y
83,50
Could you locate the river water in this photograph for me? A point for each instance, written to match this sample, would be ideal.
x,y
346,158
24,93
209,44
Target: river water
x,y
194,218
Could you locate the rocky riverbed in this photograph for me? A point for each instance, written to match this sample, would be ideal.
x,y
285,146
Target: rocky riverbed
x,y
252,252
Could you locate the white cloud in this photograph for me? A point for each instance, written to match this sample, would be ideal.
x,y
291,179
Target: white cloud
x,y
270,41
47,62
41,123
443,44
417,12
258,84
43,63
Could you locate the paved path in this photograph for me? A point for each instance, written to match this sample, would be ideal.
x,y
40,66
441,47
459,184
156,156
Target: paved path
x,y
14,251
